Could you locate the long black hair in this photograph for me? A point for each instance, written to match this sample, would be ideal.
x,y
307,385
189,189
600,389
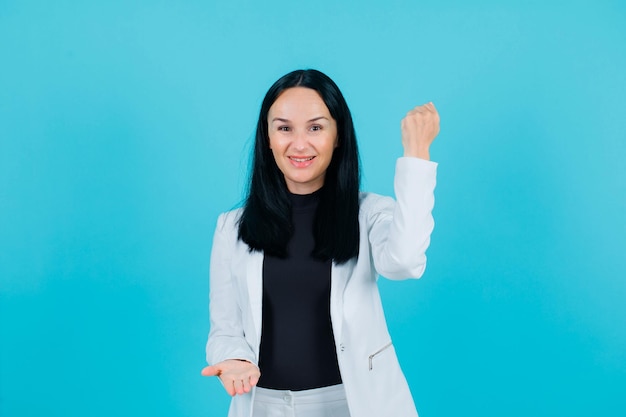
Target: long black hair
x,y
265,224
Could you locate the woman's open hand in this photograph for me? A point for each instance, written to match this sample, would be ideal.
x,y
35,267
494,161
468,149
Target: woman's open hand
x,y
419,128
237,376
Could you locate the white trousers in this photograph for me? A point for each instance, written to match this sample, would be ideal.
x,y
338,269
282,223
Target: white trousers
x,y
318,402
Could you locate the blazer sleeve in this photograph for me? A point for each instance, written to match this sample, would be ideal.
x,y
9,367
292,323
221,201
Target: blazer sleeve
x,y
226,335
400,230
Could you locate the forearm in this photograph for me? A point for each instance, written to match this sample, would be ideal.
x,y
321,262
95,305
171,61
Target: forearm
x,y
402,235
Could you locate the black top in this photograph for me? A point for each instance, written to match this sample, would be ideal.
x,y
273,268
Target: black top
x,y
297,345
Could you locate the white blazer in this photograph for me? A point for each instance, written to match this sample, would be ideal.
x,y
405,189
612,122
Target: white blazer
x,y
393,241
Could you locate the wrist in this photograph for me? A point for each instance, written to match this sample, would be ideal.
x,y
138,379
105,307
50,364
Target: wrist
x,y
422,153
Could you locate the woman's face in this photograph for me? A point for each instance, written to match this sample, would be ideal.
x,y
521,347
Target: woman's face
x,y
303,136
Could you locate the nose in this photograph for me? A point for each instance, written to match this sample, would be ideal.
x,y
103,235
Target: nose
x,y
300,141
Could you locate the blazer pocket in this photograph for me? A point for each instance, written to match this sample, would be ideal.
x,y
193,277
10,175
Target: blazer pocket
x,y
375,354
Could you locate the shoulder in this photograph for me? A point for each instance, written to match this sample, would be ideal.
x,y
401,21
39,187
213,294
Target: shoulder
x,y
229,220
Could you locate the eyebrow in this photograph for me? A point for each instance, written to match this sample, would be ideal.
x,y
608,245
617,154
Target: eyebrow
x,y
279,119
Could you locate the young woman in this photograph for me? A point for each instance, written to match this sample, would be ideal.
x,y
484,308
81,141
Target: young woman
x,y
297,324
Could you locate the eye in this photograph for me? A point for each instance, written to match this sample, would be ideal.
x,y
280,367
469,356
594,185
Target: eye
x,y
315,128
284,128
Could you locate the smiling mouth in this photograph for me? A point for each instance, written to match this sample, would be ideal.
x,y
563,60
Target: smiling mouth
x,y
301,159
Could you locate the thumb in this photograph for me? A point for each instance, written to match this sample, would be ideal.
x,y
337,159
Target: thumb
x,y
211,371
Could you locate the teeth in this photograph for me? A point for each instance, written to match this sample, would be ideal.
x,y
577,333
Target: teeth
x,y
301,159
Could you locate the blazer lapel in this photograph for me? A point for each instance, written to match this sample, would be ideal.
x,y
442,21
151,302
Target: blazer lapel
x,y
254,276
339,278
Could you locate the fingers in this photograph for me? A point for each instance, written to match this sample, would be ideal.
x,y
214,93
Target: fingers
x,y
428,107
238,385
254,379
425,112
250,382
237,377
421,114
230,387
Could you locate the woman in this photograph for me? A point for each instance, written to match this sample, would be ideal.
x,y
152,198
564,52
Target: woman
x,y
297,325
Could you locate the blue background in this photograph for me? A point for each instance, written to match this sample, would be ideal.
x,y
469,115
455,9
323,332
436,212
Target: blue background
x,y
125,129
